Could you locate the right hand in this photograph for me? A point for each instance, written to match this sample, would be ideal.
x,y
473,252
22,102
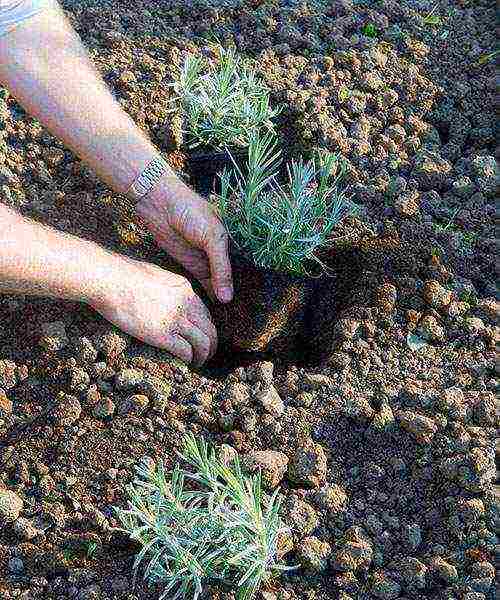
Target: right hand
x,y
159,308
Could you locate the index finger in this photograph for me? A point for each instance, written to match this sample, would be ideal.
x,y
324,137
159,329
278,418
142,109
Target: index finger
x,y
220,266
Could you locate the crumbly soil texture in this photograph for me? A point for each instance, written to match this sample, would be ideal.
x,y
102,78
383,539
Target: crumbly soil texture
x,y
385,453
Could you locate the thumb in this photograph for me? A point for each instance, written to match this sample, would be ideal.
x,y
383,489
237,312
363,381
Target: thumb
x,y
220,266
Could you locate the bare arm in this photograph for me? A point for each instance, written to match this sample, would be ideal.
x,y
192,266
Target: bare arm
x,y
47,69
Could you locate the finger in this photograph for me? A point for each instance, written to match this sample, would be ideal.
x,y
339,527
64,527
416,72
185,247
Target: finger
x,y
200,342
193,260
178,346
220,267
204,322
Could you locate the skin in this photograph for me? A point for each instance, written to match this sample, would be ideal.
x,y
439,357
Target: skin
x,y
38,62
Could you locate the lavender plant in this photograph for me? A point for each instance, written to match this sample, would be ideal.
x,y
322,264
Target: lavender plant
x,y
282,226
224,530
223,102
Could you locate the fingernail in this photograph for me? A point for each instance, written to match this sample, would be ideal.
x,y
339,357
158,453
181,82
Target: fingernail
x,y
225,294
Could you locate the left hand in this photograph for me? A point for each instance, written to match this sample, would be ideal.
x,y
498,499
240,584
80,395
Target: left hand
x,y
187,227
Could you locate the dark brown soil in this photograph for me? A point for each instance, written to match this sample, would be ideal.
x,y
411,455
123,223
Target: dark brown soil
x,y
390,485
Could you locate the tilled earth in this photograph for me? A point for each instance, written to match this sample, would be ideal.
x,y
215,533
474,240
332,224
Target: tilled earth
x,y
386,453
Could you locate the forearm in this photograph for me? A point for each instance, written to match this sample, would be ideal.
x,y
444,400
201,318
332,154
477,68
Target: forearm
x,y
45,66
40,261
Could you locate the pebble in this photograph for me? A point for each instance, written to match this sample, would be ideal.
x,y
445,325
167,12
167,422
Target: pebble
x,y
25,529
127,379
6,405
67,409
409,571
238,394
412,535
271,401
444,570
383,587
430,329
331,498
436,295
136,404
407,204
355,551
301,517
422,428
273,465
10,505
104,409
313,554
16,565
308,466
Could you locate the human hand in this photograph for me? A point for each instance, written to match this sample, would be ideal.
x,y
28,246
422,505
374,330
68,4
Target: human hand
x,y
158,307
187,227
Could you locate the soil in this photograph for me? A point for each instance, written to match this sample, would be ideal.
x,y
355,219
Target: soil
x,y
389,446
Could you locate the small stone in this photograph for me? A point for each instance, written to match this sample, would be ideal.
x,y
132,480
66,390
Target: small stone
x,y
409,571
355,551
110,343
262,372
436,295
104,409
444,570
25,529
313,554
383,420
347,329
79,380
85,353
386,296
451,403
127,78
8,377
331,498
301,517
238,394
272,464
135,404
474,596
10,505
422,428
15,565
271,401
407,204
412,535
128,379
384,587
67,409
6,405
317,381
430,329
483,575
308,466
474,325
157,390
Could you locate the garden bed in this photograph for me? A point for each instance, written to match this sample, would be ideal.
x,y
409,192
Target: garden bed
x,y
385,451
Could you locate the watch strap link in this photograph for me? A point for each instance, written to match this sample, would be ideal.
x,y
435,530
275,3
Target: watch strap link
x,y
149,177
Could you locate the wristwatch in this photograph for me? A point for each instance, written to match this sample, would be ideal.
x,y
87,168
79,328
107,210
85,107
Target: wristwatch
x,y
149,177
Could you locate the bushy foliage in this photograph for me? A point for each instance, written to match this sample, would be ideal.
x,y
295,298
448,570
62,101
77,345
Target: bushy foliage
x,y
221,529
282,226
223,101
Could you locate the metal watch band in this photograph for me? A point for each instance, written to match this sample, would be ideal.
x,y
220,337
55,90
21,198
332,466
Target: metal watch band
x,y
148,178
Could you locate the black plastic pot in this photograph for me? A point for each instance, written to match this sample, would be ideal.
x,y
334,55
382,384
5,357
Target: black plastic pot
x,y
268,311
203,167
